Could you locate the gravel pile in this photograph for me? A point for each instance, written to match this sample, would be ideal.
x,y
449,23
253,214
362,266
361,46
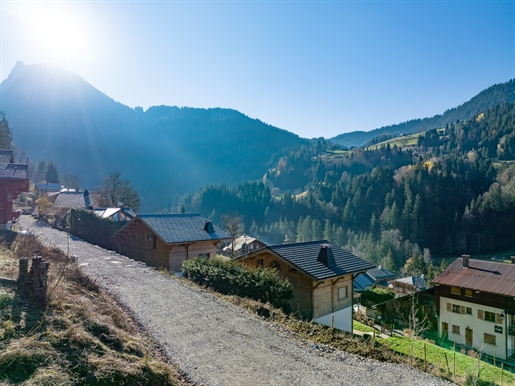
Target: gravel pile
x,y
217,343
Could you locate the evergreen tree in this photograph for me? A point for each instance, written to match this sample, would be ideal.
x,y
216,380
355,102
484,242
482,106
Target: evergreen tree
x,y
51,174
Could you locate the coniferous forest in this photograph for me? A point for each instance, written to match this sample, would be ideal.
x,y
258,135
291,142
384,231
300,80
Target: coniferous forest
x,y
452,193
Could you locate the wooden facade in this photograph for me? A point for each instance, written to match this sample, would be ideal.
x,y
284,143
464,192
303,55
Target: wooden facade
x,y
140,242
311,298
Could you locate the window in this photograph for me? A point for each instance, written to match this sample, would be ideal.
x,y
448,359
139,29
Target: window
x,y
260,263
204,255
455,329
154,242
490,316
456,290
276,265
468,293
456,308
342,293
490,338
469,310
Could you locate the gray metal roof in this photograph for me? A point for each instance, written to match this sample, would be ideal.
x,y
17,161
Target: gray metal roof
x,y
178,228
305,257
75,200
14,171
485,276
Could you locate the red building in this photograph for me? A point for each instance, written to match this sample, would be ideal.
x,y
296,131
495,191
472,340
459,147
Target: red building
x,y
14,179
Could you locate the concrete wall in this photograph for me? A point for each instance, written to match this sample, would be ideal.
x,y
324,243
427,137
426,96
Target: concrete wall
x,y
342,319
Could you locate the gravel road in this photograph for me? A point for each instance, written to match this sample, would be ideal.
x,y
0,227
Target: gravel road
x,y
215,342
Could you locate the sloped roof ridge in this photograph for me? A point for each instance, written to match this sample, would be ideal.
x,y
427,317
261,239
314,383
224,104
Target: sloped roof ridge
x,y
302,243
164,215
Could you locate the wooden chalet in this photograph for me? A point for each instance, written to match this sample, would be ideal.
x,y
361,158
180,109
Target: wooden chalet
x,y
14,179
475,300
243,245
322,277
166,240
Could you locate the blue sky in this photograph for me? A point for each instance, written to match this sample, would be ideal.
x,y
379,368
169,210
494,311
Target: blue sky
x,y
313,68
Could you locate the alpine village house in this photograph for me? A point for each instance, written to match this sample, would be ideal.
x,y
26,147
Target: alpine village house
x,y
322,276
166,240
475,300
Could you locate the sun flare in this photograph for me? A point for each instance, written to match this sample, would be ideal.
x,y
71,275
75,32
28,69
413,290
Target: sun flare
x,y
58,34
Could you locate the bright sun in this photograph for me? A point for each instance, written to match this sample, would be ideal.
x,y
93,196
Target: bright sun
x,y
56,33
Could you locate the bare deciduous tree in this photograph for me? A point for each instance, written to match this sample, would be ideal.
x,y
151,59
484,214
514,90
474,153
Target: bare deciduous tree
x,y
116,191
233,224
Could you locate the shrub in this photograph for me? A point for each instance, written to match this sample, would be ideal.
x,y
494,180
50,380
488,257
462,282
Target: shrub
x,y
229,278
376,296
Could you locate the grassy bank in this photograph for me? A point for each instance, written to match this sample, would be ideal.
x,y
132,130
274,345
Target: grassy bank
x,y
458,367
81,336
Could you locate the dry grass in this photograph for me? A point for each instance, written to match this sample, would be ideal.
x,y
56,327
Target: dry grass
x,y
81,336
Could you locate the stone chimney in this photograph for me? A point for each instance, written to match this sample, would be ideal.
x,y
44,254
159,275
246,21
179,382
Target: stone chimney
x,y
208,227
325,256
465,260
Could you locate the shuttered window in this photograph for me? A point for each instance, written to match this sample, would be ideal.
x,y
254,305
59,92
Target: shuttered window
x,y
455,329
490,338
456,290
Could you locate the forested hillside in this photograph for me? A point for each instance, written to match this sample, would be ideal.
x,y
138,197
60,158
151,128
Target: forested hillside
x,y
396,207
165,151
491,97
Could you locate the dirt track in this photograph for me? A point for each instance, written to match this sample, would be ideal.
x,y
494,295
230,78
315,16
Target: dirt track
x,y
214,342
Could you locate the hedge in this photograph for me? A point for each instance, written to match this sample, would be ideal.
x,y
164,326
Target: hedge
x,y
229,278
88,226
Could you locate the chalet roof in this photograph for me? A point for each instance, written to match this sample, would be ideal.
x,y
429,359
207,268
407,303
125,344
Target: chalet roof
x,y
76,200
363,281
6,156
15,171
416,281
179,228
109,212
305,256
380,274
485,276
244,239
49,187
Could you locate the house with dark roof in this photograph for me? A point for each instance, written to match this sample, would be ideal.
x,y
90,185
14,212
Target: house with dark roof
x,y
322,276
407,285
166,240
14,179
375,276
242,245
75,200
115,214
475,300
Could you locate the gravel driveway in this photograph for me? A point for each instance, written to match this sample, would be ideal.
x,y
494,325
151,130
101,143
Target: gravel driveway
x,y
215,342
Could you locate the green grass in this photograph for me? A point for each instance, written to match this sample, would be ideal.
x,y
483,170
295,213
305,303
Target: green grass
x,y
407,140
361,327
466,365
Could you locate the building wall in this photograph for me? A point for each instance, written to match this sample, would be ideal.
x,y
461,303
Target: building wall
x,y
143,245
465,315
302,301
342,319
179,253
139,245
331,296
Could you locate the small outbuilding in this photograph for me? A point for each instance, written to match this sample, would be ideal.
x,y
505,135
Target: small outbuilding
x,y
322,276
166,240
